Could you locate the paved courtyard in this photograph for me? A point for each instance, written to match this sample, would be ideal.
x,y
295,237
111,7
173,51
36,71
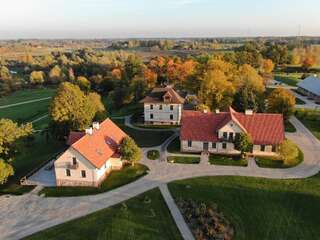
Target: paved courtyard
x,y
23,215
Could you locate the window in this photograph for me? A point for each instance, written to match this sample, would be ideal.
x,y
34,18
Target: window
x,y
171,107
225,134
189,143
263,148
214,145
205,146
231,135
160,107
83,173
68,173
224,145
274,148
151,116
171,116
237,135
151,106
74,161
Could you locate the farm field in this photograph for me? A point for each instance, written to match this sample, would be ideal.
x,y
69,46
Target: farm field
x,y
143,217
260,208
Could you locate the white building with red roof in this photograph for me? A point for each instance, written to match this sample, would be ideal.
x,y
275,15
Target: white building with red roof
x,y
163,106
216,132
92,155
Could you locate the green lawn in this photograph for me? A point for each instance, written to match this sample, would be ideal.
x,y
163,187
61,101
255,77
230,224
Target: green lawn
x,y
260,208
30,111
184,160
227,160
115,179
143,217
310,119
144,138
274,162
29,158
289,127
27,112
290,79
124,110
26,95
174,146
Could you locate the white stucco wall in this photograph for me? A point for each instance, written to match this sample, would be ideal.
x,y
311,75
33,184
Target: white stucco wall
x,y
163,115
93,175
230,127
197,146
65,160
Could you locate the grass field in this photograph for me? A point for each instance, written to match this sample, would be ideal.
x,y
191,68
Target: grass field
x,y
174,146
26,95
30,157
291,79
30,111
143,217
144,138
114,180
227,160
289,127
260,208
310,119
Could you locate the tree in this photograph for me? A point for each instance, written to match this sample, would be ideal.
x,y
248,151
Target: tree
x,y
202,108
267,66
281,101
309,62
71,109
37,77
130,151
243,143
55,74
6,170
216,91
288,151
10,136
83,83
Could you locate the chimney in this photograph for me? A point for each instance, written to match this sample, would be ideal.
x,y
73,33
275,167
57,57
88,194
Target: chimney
x,y
89,131
217,110
96,125
249,112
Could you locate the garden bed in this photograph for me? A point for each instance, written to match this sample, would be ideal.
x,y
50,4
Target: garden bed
x,y
153,154
183,160
205,220
228,160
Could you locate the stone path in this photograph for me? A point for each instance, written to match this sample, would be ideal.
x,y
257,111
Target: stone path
x,y
23,215
176,214
25,102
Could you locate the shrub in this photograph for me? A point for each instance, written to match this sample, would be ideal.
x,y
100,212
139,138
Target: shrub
x,y
153,154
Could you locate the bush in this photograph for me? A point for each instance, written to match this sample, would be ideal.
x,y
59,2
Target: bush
x,y
153,154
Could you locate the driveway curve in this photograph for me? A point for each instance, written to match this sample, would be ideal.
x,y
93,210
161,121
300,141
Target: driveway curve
x,y
23,215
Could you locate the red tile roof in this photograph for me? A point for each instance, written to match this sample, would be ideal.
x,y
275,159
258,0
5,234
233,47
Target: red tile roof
x,y
74,136
264,128
102,144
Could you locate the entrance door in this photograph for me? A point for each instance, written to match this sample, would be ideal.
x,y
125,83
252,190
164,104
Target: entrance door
x,y
205,146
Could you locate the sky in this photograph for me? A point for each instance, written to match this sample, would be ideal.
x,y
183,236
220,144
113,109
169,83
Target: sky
x,y
157,18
